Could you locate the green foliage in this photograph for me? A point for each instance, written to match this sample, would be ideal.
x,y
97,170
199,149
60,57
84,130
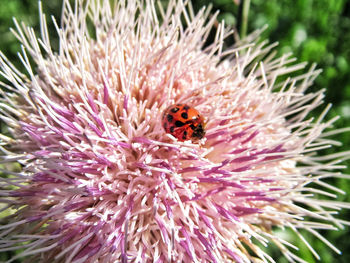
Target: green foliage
x,y
24,11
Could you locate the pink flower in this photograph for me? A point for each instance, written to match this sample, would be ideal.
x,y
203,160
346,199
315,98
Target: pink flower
x,y
101,181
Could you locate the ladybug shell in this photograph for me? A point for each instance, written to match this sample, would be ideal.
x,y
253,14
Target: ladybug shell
x,y
183,122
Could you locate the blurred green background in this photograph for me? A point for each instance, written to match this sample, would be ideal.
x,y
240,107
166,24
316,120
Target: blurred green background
x,y
314,30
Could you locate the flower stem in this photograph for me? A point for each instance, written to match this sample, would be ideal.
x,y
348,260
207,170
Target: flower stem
x,y
244,17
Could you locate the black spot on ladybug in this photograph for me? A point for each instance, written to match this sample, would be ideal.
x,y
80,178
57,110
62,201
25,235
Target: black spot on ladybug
x,y
169,117
186,107
184,137
184,115
172,129
192,126
185,133
174,110
179,123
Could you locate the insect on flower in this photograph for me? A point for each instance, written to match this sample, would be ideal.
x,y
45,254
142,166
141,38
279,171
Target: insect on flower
x,y
85,173
183,122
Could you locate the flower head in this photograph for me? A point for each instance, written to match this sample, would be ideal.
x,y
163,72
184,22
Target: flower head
x,y
101,180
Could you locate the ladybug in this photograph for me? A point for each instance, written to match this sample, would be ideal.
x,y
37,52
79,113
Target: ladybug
x,y
183,122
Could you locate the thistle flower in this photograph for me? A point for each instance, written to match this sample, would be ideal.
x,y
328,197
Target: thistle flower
x,y
100,179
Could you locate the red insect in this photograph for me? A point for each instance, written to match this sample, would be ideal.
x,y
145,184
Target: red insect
x,y
183,122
